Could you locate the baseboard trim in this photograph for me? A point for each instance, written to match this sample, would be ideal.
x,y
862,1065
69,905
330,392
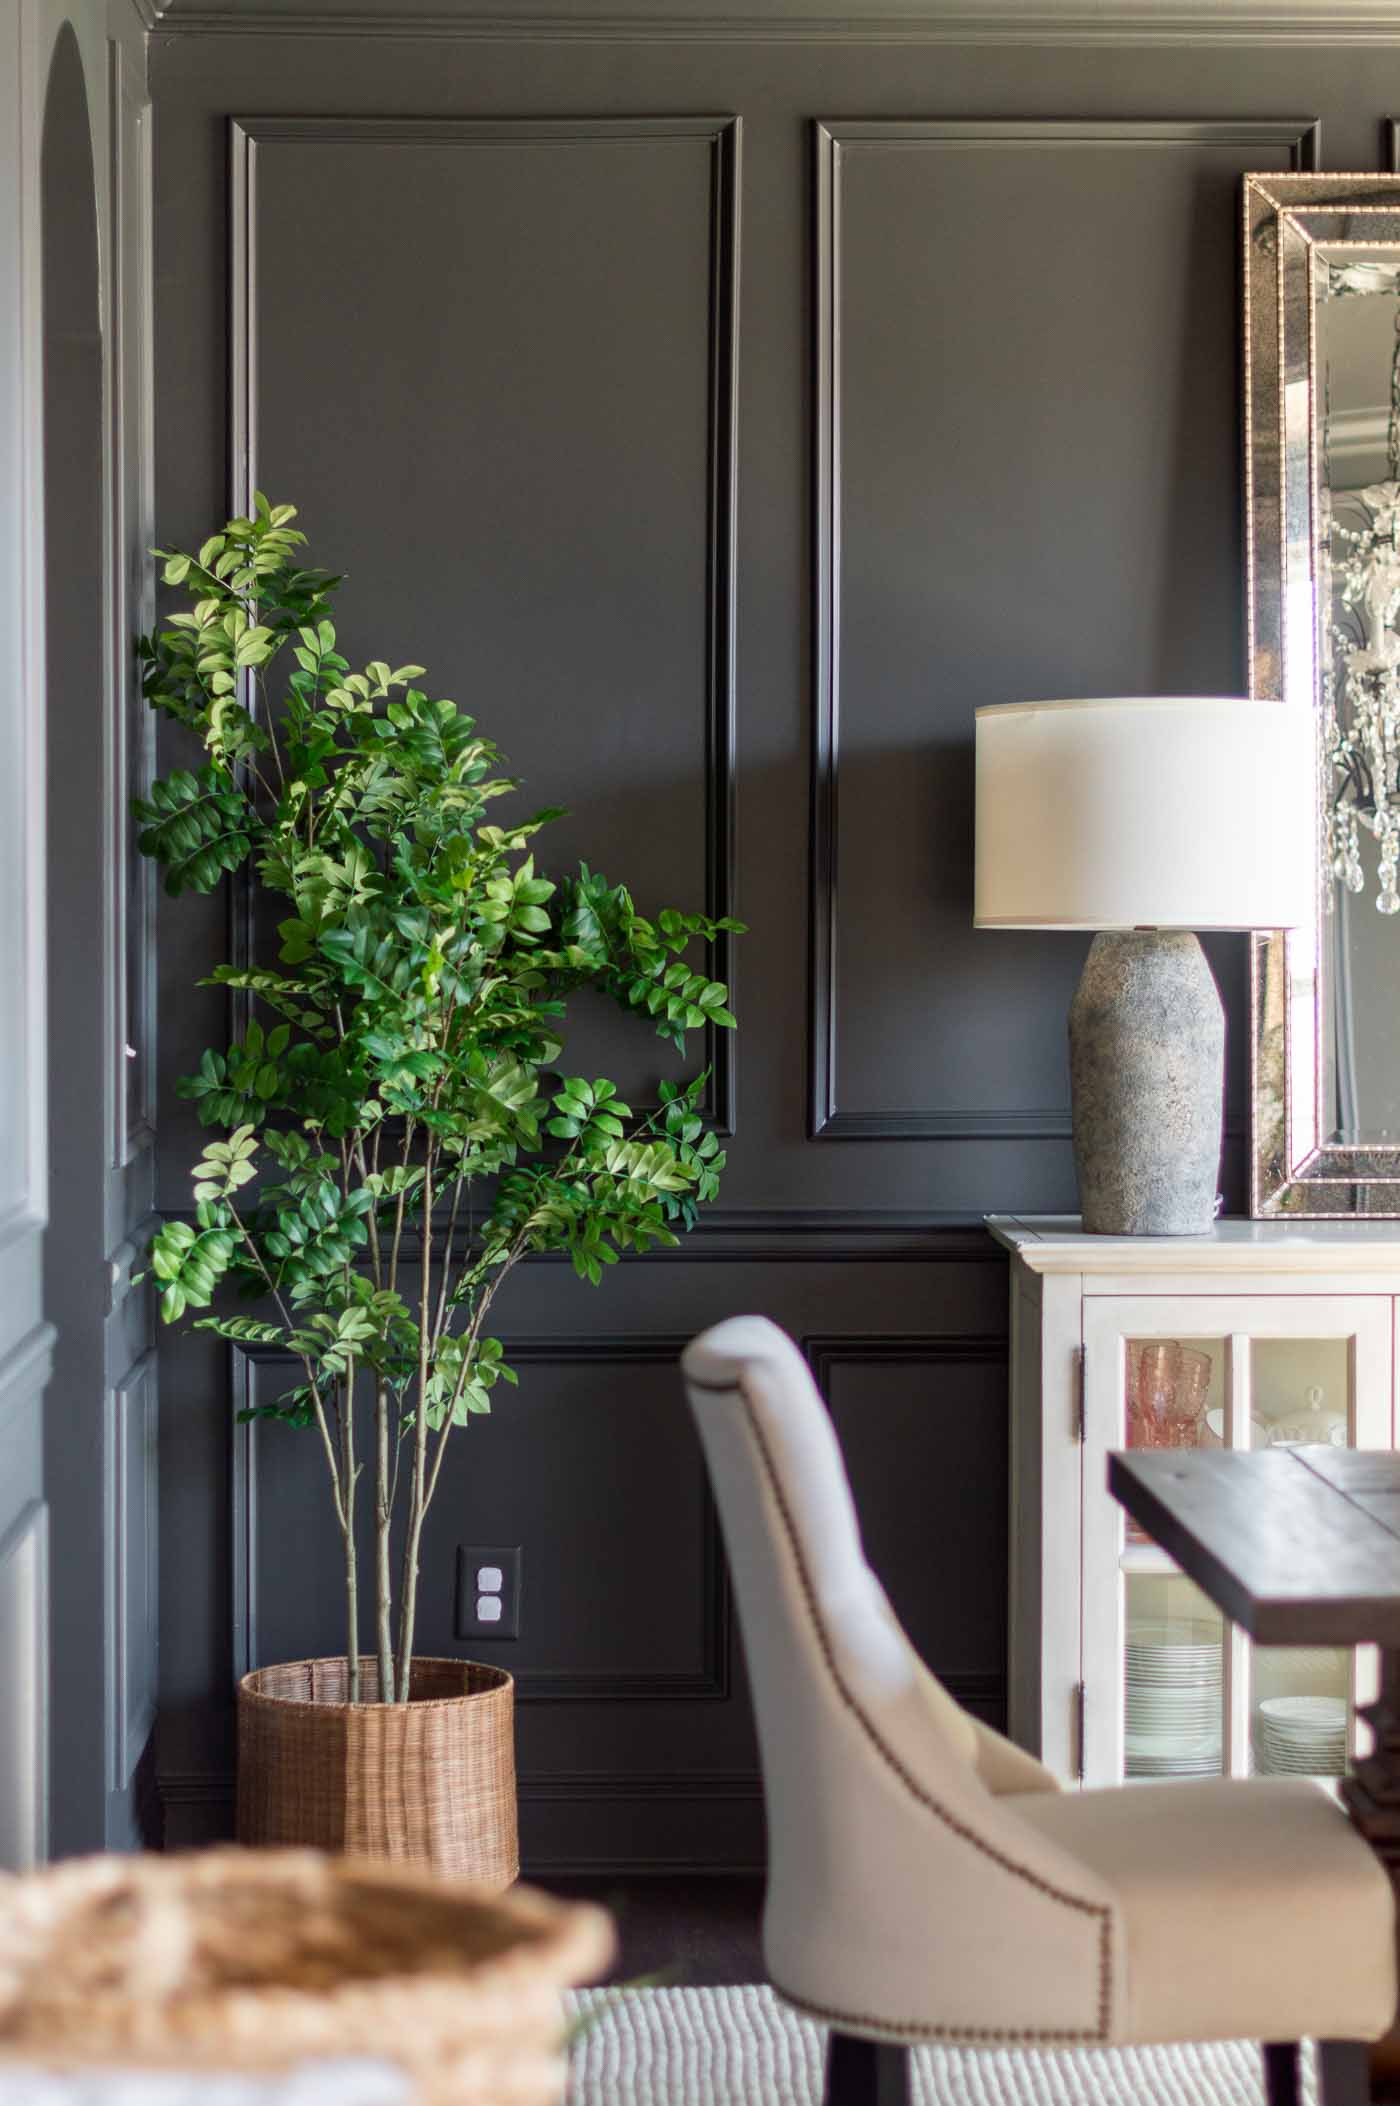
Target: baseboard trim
x,y
195,1787
978,1691
583,1809
543,1787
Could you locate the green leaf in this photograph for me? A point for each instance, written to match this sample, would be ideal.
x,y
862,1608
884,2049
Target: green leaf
x,y
197,826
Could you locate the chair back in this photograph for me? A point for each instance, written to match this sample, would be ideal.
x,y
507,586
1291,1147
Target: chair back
x,y
814,1614
887,1856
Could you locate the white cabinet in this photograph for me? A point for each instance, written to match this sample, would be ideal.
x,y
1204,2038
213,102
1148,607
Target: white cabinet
x,y
1258,1332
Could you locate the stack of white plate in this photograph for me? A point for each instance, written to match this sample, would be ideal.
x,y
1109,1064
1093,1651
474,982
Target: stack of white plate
x,y
1302,1736
1173,1700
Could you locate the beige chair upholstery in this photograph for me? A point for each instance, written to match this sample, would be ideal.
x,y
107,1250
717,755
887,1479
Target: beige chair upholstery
x,y
929,1881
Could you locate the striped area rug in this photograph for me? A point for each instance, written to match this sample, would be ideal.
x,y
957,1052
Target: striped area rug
x,y
743,2047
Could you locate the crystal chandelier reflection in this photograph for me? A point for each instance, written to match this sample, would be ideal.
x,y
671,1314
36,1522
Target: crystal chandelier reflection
x,y
1361,670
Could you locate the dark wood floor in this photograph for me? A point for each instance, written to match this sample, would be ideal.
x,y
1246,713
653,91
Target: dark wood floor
x,y
689,1932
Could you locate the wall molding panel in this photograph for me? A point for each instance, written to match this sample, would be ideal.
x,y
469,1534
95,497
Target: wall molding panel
x,y
944,1426
825,1351
25,1372
24,1645
832,1118
248,136
710,1682
588,1814
133,1587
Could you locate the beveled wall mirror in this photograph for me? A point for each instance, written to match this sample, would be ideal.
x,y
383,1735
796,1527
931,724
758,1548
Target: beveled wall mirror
x,y
1322,347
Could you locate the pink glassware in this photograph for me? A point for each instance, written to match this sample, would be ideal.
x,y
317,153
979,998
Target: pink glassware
x,y
1150,1408
1166,1388
1188,1405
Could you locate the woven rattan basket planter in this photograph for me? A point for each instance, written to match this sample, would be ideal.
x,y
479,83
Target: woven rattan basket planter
x,y
243,1961
430,1782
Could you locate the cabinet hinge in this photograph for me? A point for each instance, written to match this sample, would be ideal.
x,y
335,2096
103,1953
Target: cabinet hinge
x,y
1078,1706
1077,1404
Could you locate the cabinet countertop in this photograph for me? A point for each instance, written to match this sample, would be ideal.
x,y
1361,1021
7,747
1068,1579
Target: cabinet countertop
x,y
1056,1243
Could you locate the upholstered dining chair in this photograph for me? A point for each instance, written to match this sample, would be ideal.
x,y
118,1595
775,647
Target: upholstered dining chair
x,y
928,1881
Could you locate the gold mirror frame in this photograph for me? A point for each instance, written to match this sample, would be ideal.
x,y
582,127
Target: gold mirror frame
x,y
1296,1169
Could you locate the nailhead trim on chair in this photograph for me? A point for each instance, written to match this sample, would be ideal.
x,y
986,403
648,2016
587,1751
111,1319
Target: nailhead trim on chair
x,y
915,2027
900,2030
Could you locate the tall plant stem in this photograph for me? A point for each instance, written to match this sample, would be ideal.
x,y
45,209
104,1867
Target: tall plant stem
x,y
269,721
376,1263
408,1585
469,1340
445,1283
339,1492
406,1158
348,1475
383,1521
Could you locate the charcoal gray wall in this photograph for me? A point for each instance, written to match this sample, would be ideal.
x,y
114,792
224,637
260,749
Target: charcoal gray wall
x,y
986,349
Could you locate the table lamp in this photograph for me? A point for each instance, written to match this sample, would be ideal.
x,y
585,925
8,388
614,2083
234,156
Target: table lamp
x,y
1146,820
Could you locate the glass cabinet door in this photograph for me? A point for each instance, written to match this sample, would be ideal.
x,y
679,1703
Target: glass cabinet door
x,y
1170,1689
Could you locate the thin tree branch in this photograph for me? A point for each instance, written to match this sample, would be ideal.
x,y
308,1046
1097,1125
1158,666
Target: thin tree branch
x,y
312,1384
405,1163
383,1524
268,723
446,1275
409,1584
352,1582
372,1217
470,1338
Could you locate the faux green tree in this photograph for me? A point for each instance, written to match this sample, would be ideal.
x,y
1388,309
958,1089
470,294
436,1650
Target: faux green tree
x,y
399,1133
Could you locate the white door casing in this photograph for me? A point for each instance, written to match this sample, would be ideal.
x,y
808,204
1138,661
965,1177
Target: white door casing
x,y
72,85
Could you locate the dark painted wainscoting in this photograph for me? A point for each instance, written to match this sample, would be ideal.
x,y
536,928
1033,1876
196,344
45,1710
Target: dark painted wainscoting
x,y
635,1742
721,421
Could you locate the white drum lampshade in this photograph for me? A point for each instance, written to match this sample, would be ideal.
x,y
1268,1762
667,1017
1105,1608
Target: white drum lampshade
x,y
1186,813
1146,820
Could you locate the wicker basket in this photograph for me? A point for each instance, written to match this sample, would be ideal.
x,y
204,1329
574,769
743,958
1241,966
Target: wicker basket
x,y
246,1961
430,1782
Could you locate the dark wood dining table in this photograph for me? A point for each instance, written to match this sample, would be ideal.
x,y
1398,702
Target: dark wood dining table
x,y
1298,1546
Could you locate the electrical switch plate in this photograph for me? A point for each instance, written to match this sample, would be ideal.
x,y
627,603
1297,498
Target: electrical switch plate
x,y
488,1592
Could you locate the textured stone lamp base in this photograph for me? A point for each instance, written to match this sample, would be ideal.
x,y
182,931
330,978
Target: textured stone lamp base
x,y
1147,1082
